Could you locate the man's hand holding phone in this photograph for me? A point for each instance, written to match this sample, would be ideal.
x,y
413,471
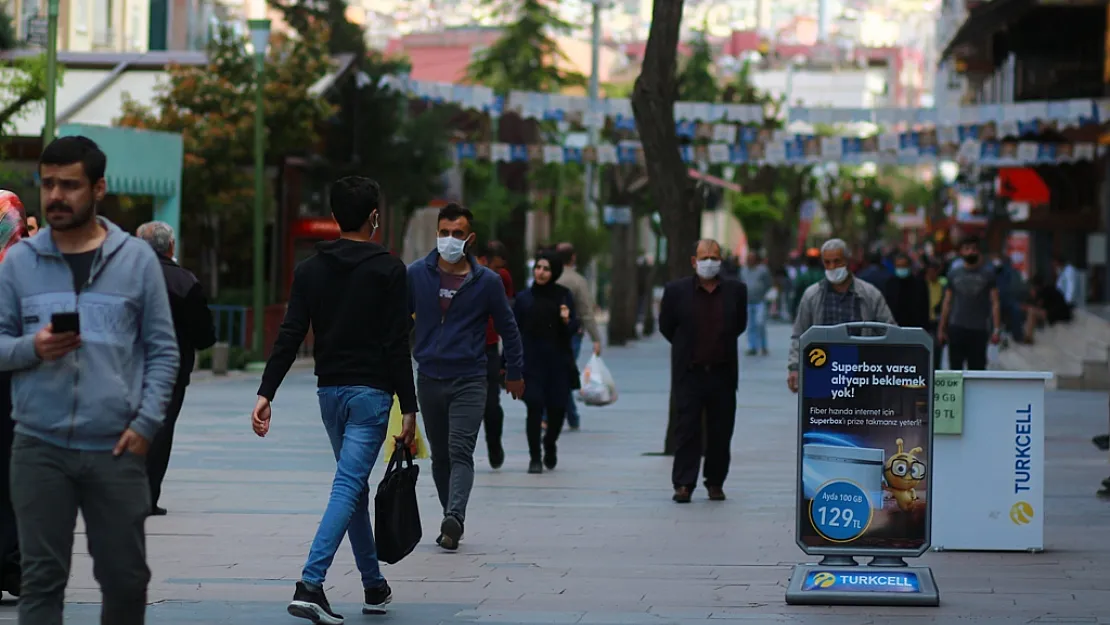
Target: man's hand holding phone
x,y
51,345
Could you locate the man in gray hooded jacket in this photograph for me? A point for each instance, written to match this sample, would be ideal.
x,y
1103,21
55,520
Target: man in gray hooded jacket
x,y
86,403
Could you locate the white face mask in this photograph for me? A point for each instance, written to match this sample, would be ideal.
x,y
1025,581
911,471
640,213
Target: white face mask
x,y
450,248
838,275
708,268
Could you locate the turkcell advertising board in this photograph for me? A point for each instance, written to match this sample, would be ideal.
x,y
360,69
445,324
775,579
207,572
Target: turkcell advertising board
x,y
865,448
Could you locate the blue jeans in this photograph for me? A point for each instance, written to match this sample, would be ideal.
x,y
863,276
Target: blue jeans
x,y
757,326
572,407
356,419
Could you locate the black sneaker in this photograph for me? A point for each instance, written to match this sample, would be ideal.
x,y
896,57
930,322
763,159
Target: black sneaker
x,y
535,466
450,531
376,599
496,456
12,579
314,606
550,458
1102,441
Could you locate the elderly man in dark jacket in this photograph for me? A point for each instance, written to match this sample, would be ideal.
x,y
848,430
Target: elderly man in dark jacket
x,y
192,322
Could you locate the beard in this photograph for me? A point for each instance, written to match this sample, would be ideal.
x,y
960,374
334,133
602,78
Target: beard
x,y
61,216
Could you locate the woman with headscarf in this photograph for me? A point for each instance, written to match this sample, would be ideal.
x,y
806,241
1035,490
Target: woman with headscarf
x,y
545,315
11,231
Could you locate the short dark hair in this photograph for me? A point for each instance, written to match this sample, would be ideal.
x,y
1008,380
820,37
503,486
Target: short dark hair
x,y
453,211
76,149
565,251
969,239
352,200
496,249
875,257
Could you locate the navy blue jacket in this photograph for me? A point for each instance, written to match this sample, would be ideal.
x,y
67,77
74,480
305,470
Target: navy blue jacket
x,y
453,345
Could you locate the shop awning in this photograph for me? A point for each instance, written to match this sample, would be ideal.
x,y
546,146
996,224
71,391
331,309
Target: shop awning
x,y
1023,184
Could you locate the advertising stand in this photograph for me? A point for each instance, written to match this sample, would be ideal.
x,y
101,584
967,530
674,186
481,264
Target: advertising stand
x,y
864,456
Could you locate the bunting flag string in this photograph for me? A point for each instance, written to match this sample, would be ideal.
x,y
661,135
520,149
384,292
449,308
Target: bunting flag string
x,y
1013,119
907,149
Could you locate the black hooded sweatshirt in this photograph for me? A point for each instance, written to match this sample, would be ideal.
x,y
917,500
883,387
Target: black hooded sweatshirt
x,y
354,296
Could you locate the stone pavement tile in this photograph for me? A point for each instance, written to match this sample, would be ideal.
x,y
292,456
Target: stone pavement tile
x,y
519,616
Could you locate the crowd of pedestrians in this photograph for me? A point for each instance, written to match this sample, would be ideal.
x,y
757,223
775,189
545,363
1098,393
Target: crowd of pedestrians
x,y
99,331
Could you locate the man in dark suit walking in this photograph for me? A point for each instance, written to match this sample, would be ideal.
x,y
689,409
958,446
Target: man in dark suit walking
x,y
703,317
192,322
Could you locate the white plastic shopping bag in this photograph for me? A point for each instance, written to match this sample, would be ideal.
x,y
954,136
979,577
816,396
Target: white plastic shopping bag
x,y
598,386
993,356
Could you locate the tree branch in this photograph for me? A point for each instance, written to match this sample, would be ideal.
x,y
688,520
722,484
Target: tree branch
x,y
11,110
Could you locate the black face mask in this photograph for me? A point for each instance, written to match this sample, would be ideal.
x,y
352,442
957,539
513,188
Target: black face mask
x,y
971,259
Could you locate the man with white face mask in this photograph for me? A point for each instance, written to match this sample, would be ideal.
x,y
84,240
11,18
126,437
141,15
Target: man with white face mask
x,y
452,297
839,298
703,317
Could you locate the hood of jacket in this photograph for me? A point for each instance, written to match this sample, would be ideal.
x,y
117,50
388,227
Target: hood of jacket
x,y
43,242
348,254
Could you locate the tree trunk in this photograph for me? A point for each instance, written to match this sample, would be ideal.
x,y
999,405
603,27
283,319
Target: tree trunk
x,y
622,298
777,242
653,98
649,302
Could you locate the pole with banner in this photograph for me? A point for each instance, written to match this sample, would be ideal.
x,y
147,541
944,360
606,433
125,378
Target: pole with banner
x,y
864,451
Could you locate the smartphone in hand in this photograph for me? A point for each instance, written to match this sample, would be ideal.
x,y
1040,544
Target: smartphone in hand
x,y
65,322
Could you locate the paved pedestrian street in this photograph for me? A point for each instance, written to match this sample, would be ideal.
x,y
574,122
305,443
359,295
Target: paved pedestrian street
x,y
597,542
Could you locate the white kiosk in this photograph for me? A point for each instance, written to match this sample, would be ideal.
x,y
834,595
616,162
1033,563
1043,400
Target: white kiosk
x,y
988,481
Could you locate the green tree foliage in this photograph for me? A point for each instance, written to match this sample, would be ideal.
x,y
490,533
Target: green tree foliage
x,y
696,79
526,57
24,82
490,202
213,109
8,40
373,133
306,15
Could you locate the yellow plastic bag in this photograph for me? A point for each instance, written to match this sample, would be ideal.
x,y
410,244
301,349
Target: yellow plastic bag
x,y
419,448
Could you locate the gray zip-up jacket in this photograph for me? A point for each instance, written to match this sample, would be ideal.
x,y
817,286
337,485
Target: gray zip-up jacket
x,y
122,375
811,311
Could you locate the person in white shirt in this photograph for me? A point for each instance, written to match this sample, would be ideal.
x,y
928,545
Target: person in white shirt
x,y
1067,280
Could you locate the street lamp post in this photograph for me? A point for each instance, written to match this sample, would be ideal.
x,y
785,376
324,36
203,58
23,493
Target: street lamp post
x,y
260,40
51,70
494,137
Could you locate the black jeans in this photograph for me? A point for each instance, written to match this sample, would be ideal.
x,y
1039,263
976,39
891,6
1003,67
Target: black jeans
x,y
158,458
9,536
494,418
556,414
49,486
709,393
967,349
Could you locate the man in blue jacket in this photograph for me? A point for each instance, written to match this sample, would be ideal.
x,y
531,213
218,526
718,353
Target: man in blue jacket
x,y
86,404
452,296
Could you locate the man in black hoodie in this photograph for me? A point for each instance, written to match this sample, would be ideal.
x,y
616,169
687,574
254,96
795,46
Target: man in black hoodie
x,y
353,294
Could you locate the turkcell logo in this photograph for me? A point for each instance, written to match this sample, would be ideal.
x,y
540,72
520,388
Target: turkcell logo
x,y
861,582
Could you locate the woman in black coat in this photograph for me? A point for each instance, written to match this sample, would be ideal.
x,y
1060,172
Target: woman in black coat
x,y
545,315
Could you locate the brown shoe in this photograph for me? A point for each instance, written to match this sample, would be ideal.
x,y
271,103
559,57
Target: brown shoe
x,y
716,493
681,494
